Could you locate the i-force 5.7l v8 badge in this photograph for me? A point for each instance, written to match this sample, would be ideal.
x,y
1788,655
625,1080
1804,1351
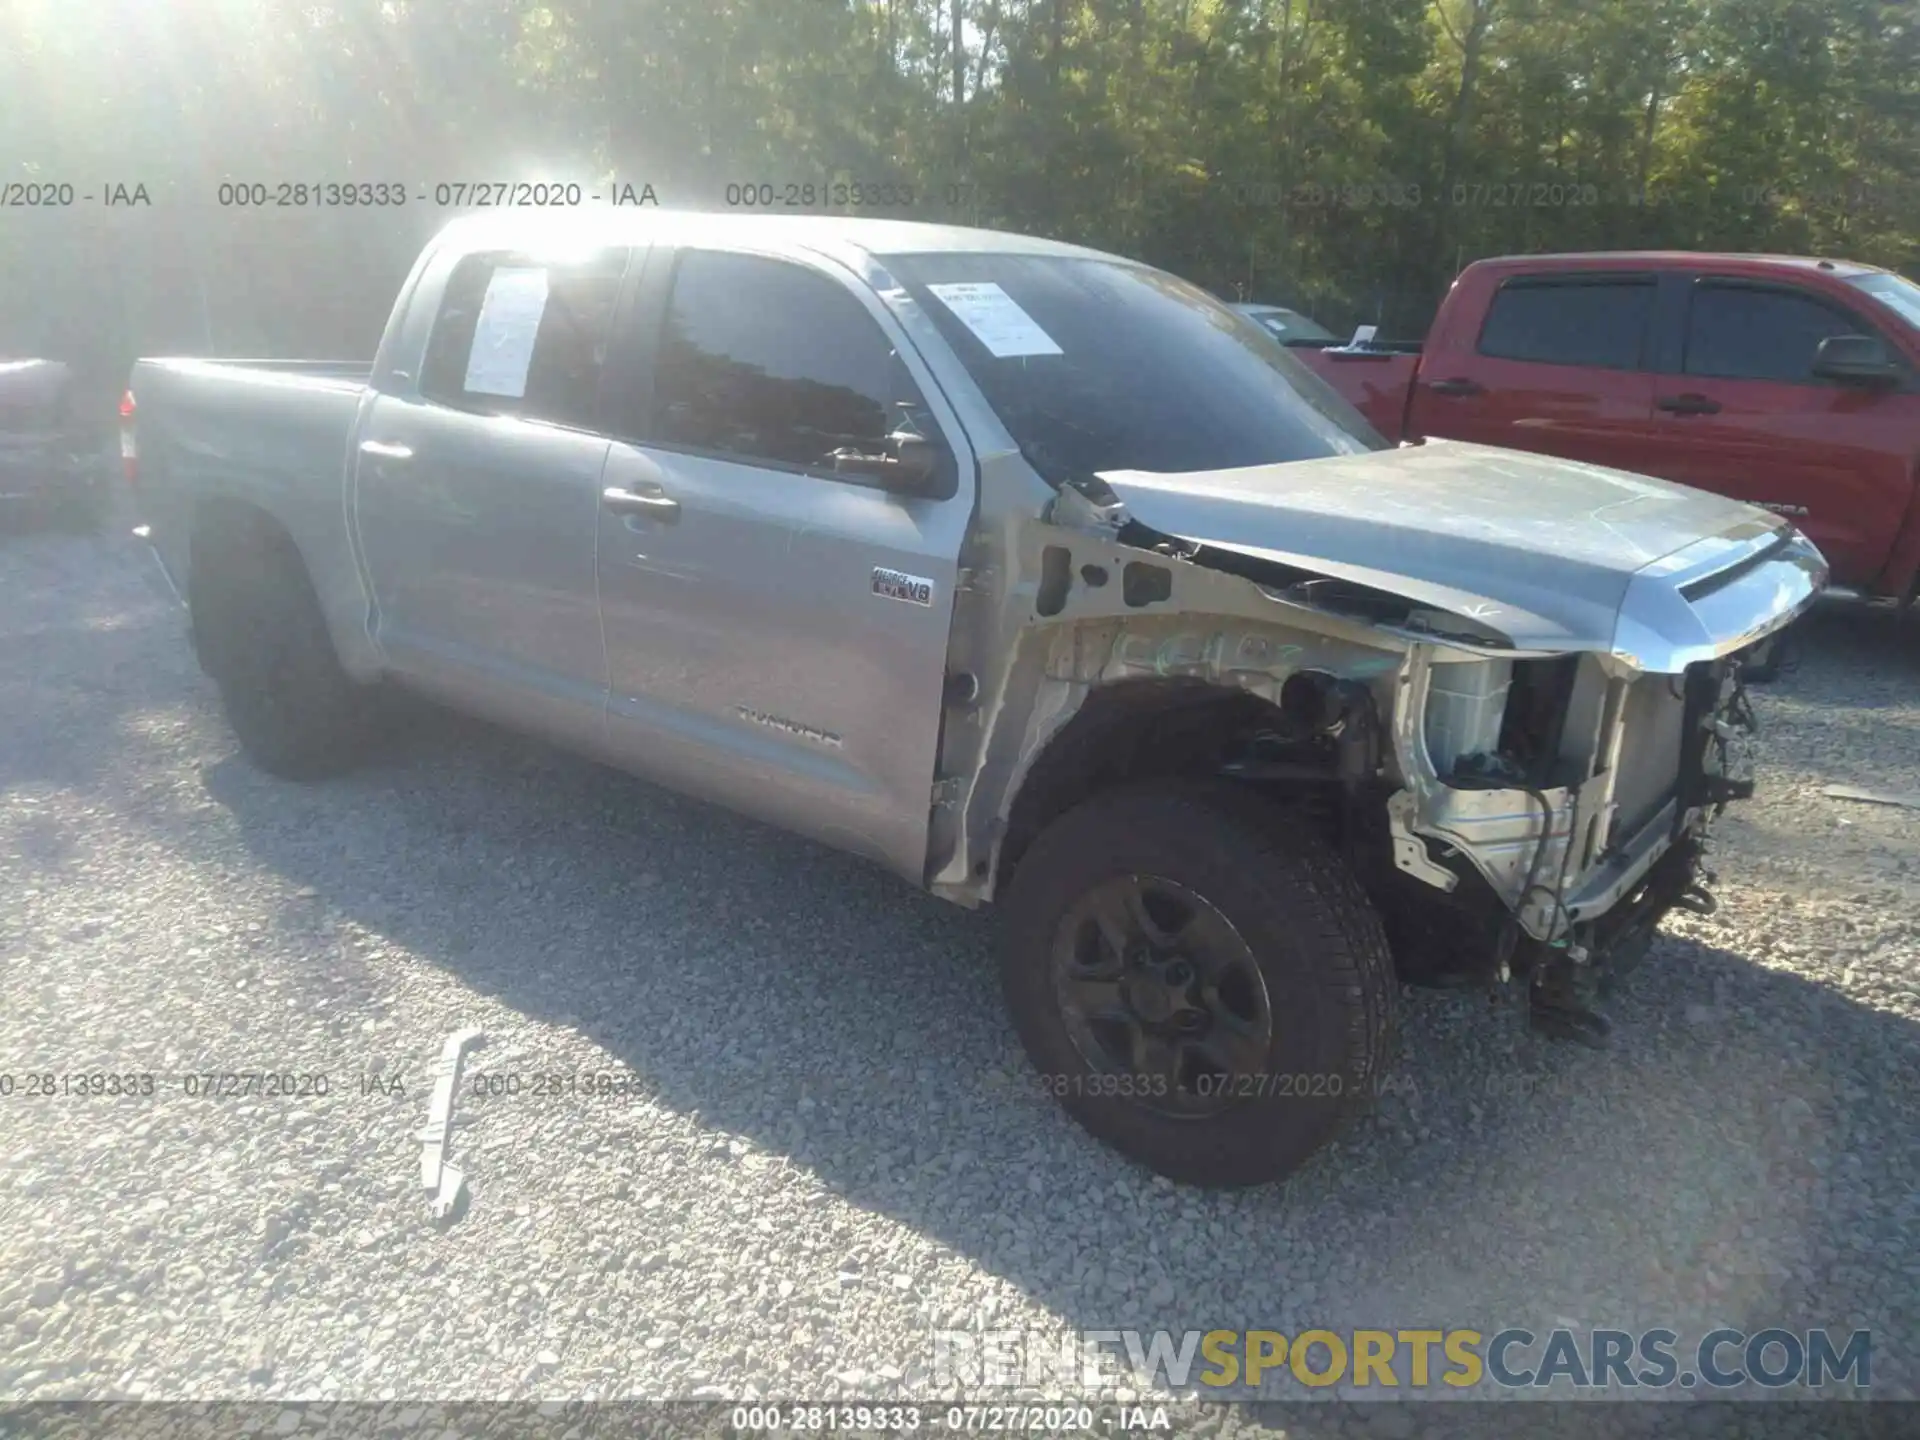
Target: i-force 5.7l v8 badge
x,y
897,585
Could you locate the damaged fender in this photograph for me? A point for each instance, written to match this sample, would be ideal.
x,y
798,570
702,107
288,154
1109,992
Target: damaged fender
x,y
1088,609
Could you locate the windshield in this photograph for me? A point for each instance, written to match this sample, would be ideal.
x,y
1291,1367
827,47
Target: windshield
x,y
1100,365
1897,293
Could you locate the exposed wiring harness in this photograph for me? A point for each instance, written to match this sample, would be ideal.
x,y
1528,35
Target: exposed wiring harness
x,y
1737,714
1557,894
1489,771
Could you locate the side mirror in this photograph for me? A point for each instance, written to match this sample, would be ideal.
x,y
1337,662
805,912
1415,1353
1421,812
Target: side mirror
x,y
1855,360
911,465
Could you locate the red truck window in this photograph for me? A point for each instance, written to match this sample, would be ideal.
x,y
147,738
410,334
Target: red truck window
x,y
1570,320
1896,292
1750,332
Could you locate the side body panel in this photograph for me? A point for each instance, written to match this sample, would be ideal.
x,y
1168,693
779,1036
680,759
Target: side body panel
x,y
757,654
476,538
1581,412
211,432
1839,459
1379,384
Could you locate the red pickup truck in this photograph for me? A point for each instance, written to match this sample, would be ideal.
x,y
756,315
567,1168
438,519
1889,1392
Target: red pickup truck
x,y
1789,383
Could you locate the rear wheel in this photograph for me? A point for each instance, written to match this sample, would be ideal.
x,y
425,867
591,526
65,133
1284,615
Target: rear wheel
x,y
1202,986
260,633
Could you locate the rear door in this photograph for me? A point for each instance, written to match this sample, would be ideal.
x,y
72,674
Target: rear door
x,y
1744,415
476,497
777,631
1558,366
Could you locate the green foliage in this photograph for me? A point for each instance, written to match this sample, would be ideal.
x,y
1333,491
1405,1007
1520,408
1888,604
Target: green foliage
x,y
1341,155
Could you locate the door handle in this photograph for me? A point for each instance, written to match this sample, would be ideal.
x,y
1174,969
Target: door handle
x,y
627,502
1692,403
385,451
1459,385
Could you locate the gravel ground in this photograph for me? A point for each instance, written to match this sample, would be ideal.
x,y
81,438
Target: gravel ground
x,y
833,1147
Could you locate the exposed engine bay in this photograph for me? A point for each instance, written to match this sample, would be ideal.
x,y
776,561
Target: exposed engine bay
x,y
1519,811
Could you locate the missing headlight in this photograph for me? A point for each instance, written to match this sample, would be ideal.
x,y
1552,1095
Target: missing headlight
x,y
1465,706
1500,723
1533,730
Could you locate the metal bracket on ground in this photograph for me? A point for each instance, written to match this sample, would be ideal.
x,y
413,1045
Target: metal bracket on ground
x,y
445,1185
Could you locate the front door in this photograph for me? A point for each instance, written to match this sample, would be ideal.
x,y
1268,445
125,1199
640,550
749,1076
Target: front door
x,y
776,629
1747,417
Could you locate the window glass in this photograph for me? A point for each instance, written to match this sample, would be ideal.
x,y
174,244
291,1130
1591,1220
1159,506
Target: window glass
x,y
1096,365
774,362
1741,333
1597,323
524,335
1896,292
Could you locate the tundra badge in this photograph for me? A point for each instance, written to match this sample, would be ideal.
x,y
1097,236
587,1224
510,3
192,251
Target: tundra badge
x,y
897,585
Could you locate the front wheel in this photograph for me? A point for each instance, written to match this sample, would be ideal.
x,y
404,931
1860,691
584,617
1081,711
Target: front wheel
x,y
1203,986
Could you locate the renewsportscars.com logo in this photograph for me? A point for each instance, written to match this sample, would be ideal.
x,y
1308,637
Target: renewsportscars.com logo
x,y
1094,1361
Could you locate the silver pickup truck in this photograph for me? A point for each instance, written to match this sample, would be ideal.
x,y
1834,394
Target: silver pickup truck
x,y
1036,576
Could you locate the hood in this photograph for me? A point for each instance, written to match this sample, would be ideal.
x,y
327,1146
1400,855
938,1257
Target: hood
x,y
1541,550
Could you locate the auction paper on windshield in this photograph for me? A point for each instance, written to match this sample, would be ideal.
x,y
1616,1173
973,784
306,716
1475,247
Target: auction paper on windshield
x,y
996,320
504,334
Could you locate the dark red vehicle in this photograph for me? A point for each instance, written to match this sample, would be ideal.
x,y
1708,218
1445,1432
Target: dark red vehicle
x,y
1789,383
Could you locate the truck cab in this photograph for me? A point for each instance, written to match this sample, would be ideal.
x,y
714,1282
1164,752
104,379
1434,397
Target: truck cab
x,y
1787,382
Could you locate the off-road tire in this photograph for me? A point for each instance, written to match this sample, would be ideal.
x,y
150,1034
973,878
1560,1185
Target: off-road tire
x,y
1312,932
259,632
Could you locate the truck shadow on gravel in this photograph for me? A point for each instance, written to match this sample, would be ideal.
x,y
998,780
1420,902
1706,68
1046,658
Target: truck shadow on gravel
x,y
1739,1157
1858,670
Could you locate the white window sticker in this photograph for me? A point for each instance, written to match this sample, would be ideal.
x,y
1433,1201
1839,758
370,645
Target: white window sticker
x,y
504,334
1000,324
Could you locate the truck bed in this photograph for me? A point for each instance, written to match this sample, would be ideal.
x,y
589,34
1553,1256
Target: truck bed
x,y
274,433
355,370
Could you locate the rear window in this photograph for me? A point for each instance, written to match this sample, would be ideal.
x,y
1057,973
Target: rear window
x,y
524,335
1599,323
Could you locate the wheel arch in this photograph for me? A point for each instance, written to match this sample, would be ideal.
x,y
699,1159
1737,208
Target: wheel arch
x,y
1133,730
218,525
1294,910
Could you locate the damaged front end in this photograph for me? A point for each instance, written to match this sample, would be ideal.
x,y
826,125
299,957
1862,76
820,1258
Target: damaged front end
x,y
1562,807
1561,802
1523,778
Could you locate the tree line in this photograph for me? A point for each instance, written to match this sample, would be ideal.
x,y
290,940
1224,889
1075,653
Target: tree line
x,y
1342,156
